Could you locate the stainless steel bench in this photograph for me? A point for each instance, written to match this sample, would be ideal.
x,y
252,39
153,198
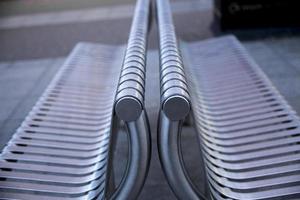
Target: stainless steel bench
x,y
249,135
64,148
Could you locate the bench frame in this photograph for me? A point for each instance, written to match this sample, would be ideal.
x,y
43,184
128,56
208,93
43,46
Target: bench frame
x,y
130,106
175,106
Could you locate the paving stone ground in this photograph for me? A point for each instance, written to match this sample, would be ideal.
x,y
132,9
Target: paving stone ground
x,y
30,56
27,37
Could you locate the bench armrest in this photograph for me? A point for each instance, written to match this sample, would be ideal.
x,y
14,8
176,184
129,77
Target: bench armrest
x,y
175,106
131,90
175,98
129,105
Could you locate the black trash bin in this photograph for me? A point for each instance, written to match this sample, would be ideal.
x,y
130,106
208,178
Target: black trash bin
x,y
234,14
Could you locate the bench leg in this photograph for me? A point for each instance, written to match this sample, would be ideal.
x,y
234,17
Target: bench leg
x,y
138,159
172,161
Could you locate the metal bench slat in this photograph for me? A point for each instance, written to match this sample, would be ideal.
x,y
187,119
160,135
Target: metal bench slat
x,y
247,157
249,135
62,154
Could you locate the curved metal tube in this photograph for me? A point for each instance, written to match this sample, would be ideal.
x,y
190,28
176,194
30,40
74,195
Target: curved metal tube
x,y
171,158
175,105
129,104
138,161
131,90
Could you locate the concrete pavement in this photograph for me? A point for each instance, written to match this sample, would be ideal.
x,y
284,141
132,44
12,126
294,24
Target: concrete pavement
x,y
54,34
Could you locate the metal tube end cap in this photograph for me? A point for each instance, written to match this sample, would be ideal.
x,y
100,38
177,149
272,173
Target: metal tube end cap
x,y
176,108
128,109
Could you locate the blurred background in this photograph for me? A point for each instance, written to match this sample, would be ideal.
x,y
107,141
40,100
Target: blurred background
x,y
37,35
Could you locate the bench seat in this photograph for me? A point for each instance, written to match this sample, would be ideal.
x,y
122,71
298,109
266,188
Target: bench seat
x,y
64,148
249,134
61,149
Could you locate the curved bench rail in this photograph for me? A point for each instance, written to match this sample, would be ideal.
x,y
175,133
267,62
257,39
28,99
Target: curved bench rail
x,y
131,90
175,98
139,159
172,161
129,105
175,106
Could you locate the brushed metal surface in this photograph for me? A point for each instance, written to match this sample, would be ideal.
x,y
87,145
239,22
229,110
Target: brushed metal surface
x,y
249,134
61,149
